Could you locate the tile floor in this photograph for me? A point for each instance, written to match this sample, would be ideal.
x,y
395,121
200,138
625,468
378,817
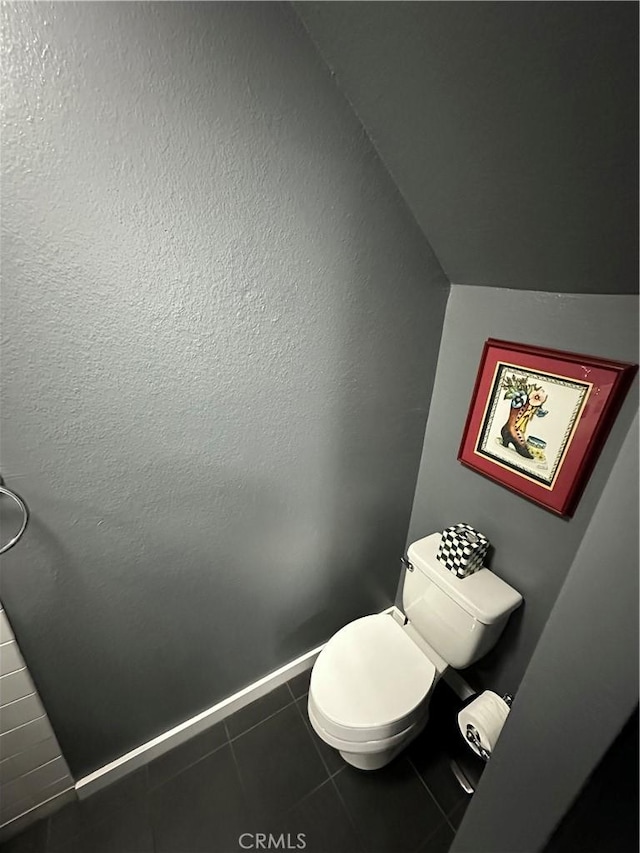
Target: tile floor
x,y
265,770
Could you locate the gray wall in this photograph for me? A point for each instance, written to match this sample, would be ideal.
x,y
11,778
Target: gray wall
x,y
605,814
578,692
532,548
510,128
221,326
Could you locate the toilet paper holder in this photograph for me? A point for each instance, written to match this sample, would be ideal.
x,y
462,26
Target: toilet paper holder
x,y
473,737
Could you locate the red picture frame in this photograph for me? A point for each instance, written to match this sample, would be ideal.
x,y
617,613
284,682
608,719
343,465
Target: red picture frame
x,y
539,418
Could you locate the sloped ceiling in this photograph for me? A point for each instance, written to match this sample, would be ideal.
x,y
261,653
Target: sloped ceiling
x,y
510,129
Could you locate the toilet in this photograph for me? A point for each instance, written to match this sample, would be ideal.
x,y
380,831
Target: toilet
x,y
372,682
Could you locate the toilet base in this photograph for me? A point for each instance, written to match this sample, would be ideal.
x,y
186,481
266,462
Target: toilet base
x,y
376,760
368,755
371,760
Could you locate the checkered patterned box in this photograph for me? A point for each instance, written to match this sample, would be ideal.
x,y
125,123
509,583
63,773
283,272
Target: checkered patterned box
x,y
462,549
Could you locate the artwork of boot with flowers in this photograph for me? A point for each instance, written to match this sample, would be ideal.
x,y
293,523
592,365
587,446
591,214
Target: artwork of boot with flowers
x,y
510,437
527,399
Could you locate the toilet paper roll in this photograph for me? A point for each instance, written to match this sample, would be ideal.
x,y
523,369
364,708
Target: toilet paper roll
x,y
487,714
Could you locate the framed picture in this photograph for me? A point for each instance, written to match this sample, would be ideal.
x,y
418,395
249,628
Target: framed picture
x,y
539,418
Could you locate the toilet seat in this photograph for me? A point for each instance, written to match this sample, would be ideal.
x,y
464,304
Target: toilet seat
x,y
370,682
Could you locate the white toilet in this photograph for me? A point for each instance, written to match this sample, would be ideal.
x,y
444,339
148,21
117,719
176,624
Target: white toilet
x,y
371,684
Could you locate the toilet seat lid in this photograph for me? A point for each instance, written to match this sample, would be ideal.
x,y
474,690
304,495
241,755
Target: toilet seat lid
x,y
371,675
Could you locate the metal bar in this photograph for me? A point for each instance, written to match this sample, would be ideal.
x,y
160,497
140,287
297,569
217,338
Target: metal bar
x,y
25,517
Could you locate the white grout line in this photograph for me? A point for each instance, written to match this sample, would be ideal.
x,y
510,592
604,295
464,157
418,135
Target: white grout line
x,y
13,672
13,701
22,726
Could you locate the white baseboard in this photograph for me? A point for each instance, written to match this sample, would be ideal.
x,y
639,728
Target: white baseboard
x,y
145,753
42,810
457,683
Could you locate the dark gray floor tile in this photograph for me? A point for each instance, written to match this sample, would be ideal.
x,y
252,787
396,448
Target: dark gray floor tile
x,y
30,840
456,815
320,823
82,817
203,795
440,742
258,711
330,756
299,685
391,808
178,759
278,763
201,810
440,841
434,768
129,831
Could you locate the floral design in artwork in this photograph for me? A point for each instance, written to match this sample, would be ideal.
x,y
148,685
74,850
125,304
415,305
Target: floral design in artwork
x,y
527,400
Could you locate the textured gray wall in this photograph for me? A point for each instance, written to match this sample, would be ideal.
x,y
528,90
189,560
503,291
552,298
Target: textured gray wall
x,y
510,128
580,689
221,326
533,548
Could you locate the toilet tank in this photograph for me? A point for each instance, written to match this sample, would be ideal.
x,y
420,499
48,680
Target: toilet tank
x,y
460,618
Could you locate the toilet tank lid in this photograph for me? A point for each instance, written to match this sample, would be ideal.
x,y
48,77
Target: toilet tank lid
x,y
483,595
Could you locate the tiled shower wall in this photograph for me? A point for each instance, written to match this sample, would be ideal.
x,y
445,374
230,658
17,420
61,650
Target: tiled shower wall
x,y
32,769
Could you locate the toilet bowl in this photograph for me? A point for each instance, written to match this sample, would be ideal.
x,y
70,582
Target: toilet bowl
x,y
369,691
371,684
